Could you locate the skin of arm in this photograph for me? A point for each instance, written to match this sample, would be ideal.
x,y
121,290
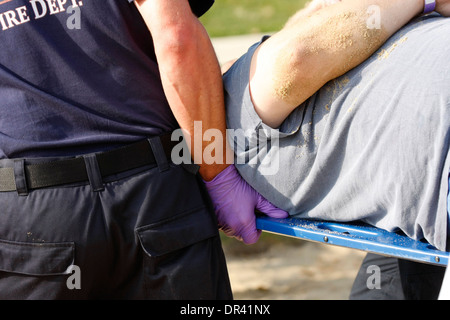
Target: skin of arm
x,y
315,48
190,73
309,9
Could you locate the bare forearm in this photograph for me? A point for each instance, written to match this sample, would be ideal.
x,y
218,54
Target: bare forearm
x,y
337,38
311,51
190,74
342,36
309,9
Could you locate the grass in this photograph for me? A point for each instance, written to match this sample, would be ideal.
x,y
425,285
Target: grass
x,y
236,17
236,248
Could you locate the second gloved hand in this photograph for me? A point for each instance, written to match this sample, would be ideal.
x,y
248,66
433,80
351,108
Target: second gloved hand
x,y
235,202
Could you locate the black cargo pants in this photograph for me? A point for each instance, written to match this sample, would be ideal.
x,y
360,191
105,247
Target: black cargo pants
x,y
148,233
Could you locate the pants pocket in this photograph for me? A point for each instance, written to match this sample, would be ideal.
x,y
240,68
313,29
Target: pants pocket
x,y
183,257
36,271
36,259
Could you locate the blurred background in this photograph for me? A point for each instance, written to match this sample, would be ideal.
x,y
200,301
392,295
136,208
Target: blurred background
x,y
238,17
276,268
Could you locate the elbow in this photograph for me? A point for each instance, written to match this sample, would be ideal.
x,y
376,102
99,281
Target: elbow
x,y
176,40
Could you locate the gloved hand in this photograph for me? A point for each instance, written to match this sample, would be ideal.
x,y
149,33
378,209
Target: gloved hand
x,y
235,202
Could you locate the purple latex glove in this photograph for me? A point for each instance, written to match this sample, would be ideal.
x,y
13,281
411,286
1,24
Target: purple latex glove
x,y
235,202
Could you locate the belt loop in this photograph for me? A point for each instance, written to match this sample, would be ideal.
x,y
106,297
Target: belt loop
x,y
20,178
158,152
93,172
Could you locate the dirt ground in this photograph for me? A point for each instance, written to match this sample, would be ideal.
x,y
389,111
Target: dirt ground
x,y
291,269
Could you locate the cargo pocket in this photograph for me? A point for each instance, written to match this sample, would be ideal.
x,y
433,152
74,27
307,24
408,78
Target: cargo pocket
x,y
181,255
36,259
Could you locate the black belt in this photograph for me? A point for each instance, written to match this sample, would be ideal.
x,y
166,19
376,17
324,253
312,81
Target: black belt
x,y
73,170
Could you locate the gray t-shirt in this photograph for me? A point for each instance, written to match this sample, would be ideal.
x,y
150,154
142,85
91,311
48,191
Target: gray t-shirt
x,y
372,145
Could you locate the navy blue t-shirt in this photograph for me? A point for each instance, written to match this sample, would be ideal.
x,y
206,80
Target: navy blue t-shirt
x,y
78,76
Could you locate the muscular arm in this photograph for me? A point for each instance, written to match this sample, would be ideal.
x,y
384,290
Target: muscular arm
x,y
190,71
314,49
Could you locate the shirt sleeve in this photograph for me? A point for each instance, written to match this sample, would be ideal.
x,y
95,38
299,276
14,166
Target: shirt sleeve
x,y
200,7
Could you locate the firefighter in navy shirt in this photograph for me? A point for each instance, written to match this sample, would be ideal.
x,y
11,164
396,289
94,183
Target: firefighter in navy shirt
x,y
91,205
